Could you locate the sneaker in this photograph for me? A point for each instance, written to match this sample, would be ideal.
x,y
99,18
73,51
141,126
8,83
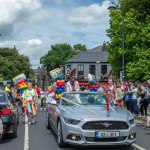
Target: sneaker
x,y
33,121
23,114
41,108
29,122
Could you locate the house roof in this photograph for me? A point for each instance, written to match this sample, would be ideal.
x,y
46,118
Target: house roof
x,y
96,49
92,55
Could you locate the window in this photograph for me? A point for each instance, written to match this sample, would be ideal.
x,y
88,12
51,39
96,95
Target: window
x,y
69,67
104,69
92,69
80,70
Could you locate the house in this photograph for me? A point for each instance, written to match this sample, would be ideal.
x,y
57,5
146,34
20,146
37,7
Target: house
x,y
92,61
41,77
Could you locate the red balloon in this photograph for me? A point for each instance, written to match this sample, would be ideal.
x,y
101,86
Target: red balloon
x,y
57,82
60,84
63,81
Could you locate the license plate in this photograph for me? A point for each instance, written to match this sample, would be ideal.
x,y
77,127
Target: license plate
x,y
110,134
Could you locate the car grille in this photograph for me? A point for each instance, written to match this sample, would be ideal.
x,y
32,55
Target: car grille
x,y
105,125
91,139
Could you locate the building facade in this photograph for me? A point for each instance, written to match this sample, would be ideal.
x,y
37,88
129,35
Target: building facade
x,y
41,77
93,61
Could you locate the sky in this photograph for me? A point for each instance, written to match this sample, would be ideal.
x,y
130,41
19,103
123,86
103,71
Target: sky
x,y
34,25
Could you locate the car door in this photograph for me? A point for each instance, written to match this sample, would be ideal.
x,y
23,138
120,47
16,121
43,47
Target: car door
x,y
51,114
56,112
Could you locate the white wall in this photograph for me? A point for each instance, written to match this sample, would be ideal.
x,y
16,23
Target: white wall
x,y
86,68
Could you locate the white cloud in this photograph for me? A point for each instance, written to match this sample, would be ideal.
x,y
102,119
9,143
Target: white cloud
x,y
15,11
33,26
60,1
31,48
28,43
91,15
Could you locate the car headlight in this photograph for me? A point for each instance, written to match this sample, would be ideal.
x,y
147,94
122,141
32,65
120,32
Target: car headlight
x,y
71,121
131,121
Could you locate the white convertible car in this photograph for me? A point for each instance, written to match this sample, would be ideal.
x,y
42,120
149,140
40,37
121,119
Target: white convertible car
x,y
79,118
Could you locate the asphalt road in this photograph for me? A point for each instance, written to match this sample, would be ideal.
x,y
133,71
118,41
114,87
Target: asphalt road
x,y
42,139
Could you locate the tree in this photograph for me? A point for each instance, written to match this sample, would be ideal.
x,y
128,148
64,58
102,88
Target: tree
x,y
137,40
12,63
79,48
57,56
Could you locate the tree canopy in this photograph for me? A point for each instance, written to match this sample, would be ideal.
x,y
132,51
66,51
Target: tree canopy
x,y
137,39
12,63
79,48
59,54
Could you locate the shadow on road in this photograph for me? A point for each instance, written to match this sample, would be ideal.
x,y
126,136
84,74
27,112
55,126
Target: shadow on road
x,y
6,139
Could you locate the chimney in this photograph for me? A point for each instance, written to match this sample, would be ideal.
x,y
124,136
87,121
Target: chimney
x,y
104,46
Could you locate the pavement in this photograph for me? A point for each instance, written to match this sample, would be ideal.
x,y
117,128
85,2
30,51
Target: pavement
x,y
40,138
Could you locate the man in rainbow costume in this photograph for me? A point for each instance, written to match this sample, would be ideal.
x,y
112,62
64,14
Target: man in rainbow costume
x,y
30,97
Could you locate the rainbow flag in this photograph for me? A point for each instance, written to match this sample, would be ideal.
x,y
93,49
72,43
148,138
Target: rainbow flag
x,y
56,73
19,78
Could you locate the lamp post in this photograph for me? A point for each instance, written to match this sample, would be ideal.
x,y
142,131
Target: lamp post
x,y
111,8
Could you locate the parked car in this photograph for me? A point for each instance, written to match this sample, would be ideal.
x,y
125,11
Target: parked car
x,y
9,115
1,129
79,118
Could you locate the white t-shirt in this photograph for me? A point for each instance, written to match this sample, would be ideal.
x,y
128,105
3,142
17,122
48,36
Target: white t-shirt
x,y
100,90
42,94
134,93
29,94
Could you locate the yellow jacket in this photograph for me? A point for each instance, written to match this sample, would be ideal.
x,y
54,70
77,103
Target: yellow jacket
x,y
7,89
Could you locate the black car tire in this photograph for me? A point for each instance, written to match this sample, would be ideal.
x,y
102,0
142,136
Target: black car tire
x,y
14,133
1,137
47,122
18,120
60,136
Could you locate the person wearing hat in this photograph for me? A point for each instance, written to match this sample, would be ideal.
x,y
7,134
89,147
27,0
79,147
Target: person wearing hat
x,y
72,85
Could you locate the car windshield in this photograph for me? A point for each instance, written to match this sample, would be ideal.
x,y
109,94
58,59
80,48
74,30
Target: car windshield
x,y
2,97
83,99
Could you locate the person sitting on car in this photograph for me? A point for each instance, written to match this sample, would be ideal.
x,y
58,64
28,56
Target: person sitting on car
x,y
72,85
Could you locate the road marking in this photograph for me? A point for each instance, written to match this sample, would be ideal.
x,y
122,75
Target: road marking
x,y
138,147
26,136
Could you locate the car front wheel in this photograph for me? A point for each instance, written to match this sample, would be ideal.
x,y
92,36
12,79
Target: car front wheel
x,y
47,122
60,136
14,133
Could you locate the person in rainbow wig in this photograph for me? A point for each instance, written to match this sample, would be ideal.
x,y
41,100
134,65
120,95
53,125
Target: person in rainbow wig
x,y
30,97
72,85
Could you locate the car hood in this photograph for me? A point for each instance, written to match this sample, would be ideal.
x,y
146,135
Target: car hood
x,y
78,112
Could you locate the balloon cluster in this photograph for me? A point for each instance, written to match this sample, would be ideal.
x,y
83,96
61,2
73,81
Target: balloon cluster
x,y
60,82
22,85
93,86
